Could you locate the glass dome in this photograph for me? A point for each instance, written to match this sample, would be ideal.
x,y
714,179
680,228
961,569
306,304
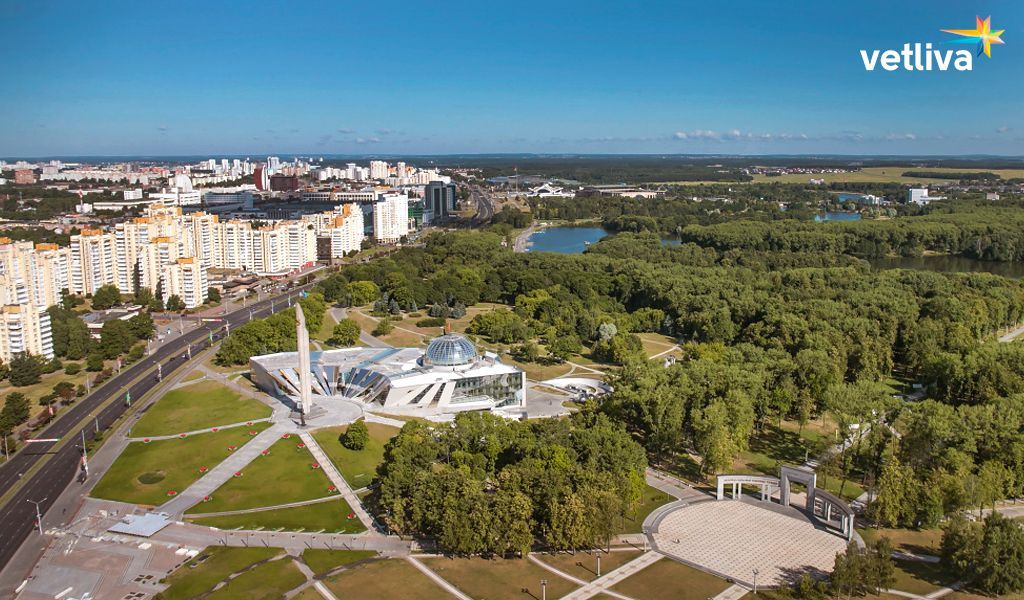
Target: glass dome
x,y
449,350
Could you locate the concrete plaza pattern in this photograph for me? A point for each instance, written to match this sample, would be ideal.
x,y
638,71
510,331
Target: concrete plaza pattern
x,y
732,538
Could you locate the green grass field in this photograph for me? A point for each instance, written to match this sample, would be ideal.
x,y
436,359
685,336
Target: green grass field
x,y
330,516
325,561
268,581
888,174
583,565
651,499
209,568
357,467
198,406
923,541
921,578
283,476
667,579
499,579
145,473
393,578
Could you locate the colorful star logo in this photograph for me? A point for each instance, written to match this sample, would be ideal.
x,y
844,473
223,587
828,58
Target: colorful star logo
x,y
982,35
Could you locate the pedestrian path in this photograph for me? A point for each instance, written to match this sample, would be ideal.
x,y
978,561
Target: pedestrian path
x,y
733,592
568,577
601,584
223,472
339,482
454,591
155,438
246,511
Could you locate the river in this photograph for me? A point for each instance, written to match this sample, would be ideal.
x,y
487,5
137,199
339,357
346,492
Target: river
x,y
951,264
571,240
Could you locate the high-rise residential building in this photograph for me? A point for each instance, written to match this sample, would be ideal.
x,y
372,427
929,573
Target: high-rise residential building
x,y
185,278
25,329
33,274
152,258
343,227
93,262
378,169
236,245
201,232
261,177
24,176
391,218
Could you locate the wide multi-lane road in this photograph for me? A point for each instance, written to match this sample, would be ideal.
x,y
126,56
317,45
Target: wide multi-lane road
x,y
17,515
484,206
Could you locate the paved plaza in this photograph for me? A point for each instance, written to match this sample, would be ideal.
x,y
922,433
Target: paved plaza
x,y
732,538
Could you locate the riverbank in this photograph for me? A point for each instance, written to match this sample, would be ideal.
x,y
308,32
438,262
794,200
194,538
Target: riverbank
x,y
522,243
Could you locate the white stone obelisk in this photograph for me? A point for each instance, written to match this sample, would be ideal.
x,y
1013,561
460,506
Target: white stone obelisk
x,y
305,383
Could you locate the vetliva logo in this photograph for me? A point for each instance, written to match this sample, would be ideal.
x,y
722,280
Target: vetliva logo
x,y
918,57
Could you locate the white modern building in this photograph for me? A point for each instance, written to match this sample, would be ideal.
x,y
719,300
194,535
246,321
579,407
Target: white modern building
x,y
448,377
921,197
391,218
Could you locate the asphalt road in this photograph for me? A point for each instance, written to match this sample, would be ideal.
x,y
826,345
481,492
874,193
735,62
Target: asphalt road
x,y
17,517
484,206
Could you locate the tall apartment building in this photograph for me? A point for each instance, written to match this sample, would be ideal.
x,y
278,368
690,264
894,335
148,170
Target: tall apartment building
x,y
25,328
236,245
343,226
378,169
201,233
151,261
438,200
391,218
33,274
93,262
185,278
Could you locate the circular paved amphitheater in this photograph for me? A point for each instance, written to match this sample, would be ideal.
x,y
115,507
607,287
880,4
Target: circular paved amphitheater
x,y
731,538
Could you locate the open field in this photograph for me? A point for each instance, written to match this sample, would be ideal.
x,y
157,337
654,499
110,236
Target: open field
x,y
889,174
268,581
200,575
198,406
330,516
775,446
651,499
325,561
37,390
145,473
667,579
394,579
921,578
923,541
286,466
358,467
326,328
498,579
583,565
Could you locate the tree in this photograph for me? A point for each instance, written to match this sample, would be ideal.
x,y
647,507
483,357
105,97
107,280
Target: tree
x,y
363,292
894,504
527,352
15,411
105,297
94,362
175,303
25,370
212,295
156,304
356,436
65,390
990,554
142,326
383,327
116,338
345,333
143,296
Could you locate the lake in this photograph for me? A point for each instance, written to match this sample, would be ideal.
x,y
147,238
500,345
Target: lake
x,y
572,240
565,240
951,264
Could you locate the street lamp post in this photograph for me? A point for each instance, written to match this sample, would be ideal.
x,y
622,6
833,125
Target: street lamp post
x,y
85,455
39,515
598,563
543,588
755,581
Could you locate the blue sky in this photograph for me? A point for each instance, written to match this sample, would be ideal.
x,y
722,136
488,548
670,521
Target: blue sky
x,y
740,77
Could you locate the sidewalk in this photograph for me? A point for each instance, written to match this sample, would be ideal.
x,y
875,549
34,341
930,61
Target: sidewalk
x,y
339,482
223,472
601,584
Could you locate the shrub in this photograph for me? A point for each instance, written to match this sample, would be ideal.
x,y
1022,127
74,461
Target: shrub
x,y
356,436
431,322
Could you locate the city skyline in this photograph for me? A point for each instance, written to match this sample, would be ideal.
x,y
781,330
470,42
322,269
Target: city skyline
x,y
568,78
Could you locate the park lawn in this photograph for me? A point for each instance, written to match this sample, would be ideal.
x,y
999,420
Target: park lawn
x,y
358,467
656,343
201,574
309,593
330,516
583,565
775,447
268,581
326,328
324,561
915,541
198,406
651,499
170,465
919,577
392,578
283,476
194,375
668,579
498,579
538,371
37,390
